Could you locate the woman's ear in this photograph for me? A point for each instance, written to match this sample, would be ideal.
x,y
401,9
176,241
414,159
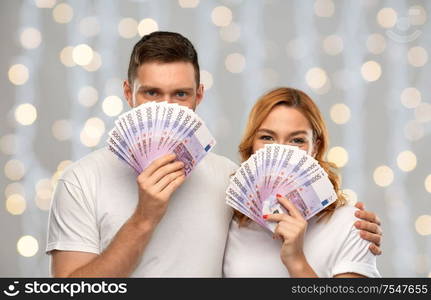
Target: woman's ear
x,y
316,146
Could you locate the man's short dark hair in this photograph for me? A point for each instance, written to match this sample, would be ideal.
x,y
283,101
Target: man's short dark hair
x,y
164,47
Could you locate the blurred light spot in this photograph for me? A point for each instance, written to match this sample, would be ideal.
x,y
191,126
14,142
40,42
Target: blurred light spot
x,y
371,71
82,54
62,130
64,164
66,57
14,188
383,176
25,114
8,144
333,44
316,78
88,96
376,43
63,13
406,161
235,63
414,130
92,132
14,169
112,106
55,177
351,196
18,74
423,225
15,204
45,3
30,38
89,26
206,79
27,246
324,89
423,112
188,3
147,26
411,97
221,16
428,183
417,56
417,15
297,48
340,113
128,28
230,33
95,63
339,156
324,8
387,17
44,190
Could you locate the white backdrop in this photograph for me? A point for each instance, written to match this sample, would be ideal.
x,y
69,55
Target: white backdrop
x,y
365,63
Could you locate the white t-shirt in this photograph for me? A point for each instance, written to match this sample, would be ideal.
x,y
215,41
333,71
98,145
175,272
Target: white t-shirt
x,y
97,194
331,248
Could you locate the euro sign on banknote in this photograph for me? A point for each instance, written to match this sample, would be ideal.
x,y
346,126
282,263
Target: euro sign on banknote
x,y
153,129
279,169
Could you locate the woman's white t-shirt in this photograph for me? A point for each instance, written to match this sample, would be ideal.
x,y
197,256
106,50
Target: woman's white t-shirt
x,y
331,247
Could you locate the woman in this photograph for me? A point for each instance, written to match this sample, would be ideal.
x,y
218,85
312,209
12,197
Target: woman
x,y
328,245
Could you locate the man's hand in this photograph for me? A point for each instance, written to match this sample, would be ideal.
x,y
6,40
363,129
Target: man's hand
x,y
156,185
370,227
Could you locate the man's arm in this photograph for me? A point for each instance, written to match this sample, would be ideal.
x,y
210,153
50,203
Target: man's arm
x,y
156,185
370,227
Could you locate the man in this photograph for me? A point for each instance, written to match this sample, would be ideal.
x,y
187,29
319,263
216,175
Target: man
x,y
101,224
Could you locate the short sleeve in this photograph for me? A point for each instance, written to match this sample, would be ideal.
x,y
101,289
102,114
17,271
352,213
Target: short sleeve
x,y
72,223
355,257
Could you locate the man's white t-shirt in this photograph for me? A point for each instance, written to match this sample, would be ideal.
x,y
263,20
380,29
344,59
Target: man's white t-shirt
x,y
97,194
331,248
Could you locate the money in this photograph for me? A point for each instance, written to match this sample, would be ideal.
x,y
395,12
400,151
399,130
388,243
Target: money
x,y
279,169
153,129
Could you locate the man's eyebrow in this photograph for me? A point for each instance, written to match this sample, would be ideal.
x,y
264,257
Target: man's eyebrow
x,y
148,87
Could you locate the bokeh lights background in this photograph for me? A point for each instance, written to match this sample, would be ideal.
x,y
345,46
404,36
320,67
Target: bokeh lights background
x,y
365,63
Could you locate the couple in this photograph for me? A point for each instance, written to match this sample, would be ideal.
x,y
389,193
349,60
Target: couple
x,y
106,222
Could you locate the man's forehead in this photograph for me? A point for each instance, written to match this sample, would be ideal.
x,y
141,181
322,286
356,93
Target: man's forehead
x,y
167,75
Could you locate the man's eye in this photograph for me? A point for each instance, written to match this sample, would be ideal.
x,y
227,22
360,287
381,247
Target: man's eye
x,y
266,138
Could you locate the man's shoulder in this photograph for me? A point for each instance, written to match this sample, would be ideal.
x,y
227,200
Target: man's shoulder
x,y
99,161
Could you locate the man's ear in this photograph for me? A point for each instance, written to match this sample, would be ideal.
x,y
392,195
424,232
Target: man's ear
x,y
199,94
128,92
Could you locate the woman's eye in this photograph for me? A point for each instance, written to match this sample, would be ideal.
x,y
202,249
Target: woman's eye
x,y
266,138
298,140
151,93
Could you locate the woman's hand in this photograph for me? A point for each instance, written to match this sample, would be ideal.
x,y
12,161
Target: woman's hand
x,y
291,229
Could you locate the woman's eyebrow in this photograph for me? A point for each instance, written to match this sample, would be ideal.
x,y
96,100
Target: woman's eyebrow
x,y
298,132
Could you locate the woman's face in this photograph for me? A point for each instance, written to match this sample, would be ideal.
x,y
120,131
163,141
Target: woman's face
x,y
285,125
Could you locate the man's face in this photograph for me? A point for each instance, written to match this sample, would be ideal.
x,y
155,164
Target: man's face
x,y
172,82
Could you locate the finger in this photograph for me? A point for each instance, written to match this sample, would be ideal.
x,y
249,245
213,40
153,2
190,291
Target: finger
x,y
368,226
158,163
173,185
360,205
277,217
367,216
164,171
163,183
375,250
291,208
370,237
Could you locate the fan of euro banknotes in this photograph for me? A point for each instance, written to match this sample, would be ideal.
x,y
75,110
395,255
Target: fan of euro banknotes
x,y
154,129
279,169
